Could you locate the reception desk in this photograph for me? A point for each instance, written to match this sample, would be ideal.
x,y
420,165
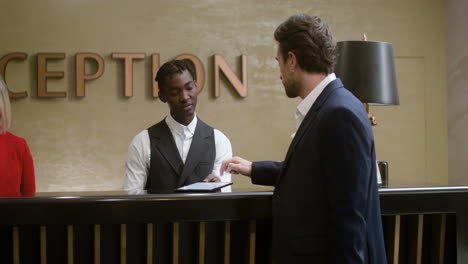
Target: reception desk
x,y
422,225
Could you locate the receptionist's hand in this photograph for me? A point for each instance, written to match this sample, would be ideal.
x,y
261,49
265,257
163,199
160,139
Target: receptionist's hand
x,y
236,165
212,178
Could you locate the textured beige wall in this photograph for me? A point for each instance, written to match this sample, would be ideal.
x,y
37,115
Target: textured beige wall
x,y
81,144
457,72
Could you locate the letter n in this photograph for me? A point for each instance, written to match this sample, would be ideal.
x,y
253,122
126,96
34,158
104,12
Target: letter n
x,y
220,64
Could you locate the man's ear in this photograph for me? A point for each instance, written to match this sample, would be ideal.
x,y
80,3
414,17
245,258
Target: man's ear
x,y
291,60
162,96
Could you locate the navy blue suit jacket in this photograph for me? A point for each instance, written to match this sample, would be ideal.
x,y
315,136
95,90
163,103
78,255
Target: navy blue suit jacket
x,y
326,205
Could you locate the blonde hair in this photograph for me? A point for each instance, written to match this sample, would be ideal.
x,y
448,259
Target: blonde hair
x,y
5,108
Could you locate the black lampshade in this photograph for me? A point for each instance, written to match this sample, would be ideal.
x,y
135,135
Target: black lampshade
x,y
366,68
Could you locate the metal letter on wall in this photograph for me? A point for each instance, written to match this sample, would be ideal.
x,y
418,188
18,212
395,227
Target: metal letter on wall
x,y
199,69
4,62
220,64
155,63
128,62
43,74
81,76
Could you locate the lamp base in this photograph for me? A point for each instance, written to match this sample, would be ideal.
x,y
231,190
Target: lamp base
x,y
371,116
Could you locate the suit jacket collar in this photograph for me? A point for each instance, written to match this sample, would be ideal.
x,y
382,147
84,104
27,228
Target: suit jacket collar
x,y
312,114
305,105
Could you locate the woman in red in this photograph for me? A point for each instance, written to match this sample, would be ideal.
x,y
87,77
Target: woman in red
x,y
16,164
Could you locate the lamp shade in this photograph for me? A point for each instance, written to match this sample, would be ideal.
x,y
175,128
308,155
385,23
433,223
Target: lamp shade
x,y
366,68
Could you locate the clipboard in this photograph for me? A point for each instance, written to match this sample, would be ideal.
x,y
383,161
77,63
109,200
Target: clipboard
x,y
203,187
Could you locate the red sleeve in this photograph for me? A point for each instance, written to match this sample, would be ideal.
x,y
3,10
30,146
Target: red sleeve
x,y
28,180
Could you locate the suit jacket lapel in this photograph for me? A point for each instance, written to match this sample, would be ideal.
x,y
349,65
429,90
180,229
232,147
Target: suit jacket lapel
x,y
200,141
166,145
310,117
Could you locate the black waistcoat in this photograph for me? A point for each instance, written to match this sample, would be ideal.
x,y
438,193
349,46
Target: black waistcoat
x,y
167,171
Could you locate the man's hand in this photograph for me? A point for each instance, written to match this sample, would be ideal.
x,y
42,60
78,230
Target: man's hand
x,y
212,178
236,165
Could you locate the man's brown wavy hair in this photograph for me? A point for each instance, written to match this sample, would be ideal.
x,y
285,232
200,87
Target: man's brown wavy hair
x,y
310,39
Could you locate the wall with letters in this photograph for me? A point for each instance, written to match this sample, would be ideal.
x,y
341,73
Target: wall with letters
x,y
80,134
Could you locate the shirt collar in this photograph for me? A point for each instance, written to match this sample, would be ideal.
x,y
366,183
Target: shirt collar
x,y
180,129
305,105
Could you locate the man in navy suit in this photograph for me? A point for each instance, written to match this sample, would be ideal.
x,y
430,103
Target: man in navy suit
x,y
325,205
